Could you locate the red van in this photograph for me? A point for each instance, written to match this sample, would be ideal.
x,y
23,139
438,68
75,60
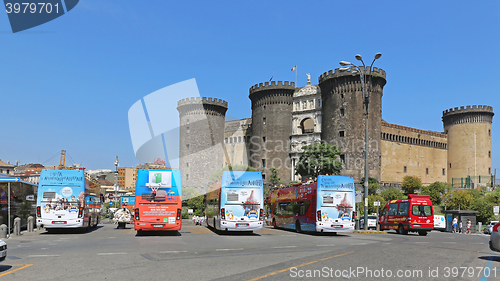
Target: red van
x,y
404,215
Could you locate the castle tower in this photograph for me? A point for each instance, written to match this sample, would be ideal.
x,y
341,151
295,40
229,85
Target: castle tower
x,y
344,122
469,142
271,119
201,138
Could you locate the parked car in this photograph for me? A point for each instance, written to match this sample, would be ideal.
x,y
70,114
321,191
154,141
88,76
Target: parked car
x,y
3,250
489,226
372,222
495,238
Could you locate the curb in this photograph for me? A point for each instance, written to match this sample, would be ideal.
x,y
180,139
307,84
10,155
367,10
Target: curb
x,y
370,231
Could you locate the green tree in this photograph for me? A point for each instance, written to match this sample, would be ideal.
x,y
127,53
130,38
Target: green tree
x,y
372,209
373,185
484,209
434,190
318,159
410,185
462,199
196,203
274,176
392,194
189,192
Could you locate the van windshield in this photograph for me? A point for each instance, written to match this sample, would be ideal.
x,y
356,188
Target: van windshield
x,y
421,210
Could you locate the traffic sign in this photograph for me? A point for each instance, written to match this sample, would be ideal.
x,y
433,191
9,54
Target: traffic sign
x,y
376,203
496,210
111,196
110,203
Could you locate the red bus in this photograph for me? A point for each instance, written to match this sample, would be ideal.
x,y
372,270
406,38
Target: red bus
x,y
323,206
414,214
158,200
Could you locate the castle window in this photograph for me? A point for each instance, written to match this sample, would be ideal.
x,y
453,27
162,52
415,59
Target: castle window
x,y
187,176
263,163
264,139
264,120
341,112
342,158
225,140
263,176
187,121
426,171
239,139
489,154
230,140
307,126
187,164
489,170
341,134
187,146
450,165
264,107
489,133
187,129
341,96
404,169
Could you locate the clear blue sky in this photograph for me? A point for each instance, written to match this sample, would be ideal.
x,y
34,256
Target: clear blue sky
x,y
68,84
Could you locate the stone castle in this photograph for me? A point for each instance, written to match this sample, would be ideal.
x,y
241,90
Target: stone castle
x,y
285,118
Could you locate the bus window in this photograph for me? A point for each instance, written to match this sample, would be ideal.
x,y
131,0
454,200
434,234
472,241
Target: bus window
x,y
403,208
421,210
393,208
300,207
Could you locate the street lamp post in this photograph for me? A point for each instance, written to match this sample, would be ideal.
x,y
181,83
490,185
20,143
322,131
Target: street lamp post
x,y
362,76
116,177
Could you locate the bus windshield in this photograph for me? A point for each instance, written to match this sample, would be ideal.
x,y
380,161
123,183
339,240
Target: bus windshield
x,y
421,210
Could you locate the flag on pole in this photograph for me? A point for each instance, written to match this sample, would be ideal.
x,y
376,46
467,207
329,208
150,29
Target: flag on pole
x,y
294,68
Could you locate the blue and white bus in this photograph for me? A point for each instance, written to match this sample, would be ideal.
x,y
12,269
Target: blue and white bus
x,y
67,199
323,206
236,203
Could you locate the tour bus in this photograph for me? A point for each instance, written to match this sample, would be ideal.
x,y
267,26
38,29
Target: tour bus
x,y
67,199
322,206
414,214
158,200
236,202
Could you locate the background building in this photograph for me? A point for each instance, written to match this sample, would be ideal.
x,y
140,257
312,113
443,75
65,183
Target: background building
x,y
285,118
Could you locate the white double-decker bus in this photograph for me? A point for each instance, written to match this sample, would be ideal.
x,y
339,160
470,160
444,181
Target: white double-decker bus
x,y
236,203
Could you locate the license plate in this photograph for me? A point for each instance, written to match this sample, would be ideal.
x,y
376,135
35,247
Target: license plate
x,y
157,225
337,226
58,222
241,224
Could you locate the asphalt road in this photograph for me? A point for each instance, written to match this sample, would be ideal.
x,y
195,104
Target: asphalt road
x,y
197,253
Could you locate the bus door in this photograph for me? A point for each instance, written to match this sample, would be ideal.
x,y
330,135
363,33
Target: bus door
x,y
392,216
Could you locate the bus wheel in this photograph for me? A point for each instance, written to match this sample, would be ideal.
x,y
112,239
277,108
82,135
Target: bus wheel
x,y
297,226
401,230
422,233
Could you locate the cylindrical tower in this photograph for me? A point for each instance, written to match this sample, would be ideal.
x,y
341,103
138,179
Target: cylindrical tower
x,y
469,142
201,137
344,120
271,128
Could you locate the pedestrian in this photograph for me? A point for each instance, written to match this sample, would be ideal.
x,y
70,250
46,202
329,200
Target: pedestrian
x,y
460,227
455,220
469,224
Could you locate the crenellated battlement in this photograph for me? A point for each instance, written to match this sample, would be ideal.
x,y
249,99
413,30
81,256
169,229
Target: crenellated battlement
x,y
204,100
375,72
272,85
462,109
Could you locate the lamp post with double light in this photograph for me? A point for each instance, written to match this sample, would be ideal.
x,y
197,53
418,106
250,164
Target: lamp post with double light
x,y
363,75
116,178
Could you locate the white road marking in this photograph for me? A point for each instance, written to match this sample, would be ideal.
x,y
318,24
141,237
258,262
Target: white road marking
x,y
282,247
422,242
325,245
169,252
36,256
239,249
358,244
103,254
